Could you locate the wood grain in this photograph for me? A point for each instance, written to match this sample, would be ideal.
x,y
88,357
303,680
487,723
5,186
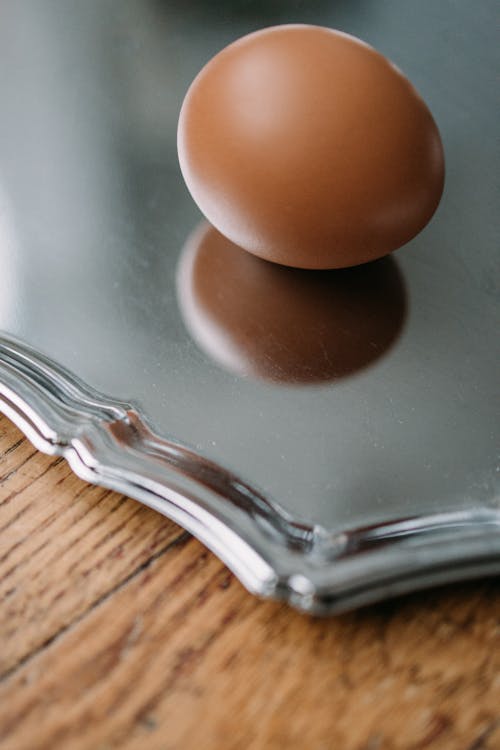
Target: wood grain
x,y
118,630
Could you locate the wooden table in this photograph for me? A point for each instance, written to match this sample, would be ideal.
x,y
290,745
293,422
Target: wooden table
x,y
119,630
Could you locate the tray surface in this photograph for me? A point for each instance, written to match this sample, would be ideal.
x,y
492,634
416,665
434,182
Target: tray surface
x,y
333,474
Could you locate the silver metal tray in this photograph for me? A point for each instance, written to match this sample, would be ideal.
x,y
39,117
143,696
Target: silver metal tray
x,y
333,468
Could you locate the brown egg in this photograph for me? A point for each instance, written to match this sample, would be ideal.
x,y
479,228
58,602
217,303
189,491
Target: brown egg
x,y
287,325
307,147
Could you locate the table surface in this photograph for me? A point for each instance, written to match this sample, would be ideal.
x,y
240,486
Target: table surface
x,y
120,630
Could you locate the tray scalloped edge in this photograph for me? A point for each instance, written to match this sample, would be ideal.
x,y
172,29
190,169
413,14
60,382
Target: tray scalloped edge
x,y
108,442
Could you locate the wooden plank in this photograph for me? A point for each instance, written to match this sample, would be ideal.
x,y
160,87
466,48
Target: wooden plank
x,y
117,630
64,545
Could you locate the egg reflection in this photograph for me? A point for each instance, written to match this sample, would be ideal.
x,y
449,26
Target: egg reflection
x,y
282,324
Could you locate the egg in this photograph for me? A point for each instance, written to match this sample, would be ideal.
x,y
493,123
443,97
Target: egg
x,y
307,147
287,325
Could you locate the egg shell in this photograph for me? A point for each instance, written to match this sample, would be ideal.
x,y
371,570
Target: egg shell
x,y
307,147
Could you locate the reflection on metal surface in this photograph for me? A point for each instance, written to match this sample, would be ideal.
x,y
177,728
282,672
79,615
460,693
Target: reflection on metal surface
x,y
286,324
98,211
108,442
9,251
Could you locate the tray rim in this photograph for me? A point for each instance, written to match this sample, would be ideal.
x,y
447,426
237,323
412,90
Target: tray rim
x,y
109,442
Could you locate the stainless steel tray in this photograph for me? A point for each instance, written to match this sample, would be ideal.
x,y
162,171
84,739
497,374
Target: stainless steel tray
x,y
332,488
